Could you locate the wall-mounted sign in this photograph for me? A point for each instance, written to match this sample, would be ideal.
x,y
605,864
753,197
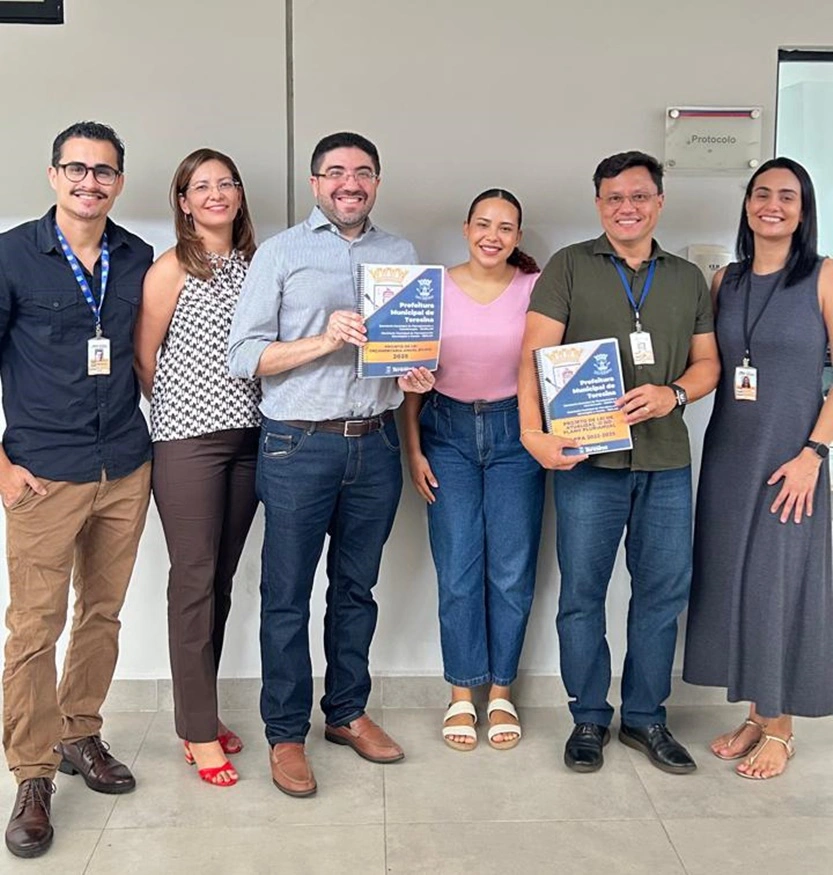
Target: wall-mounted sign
x,y
31,11
709,258
713,138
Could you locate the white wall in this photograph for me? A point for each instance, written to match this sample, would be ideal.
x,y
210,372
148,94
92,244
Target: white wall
x,y
459,96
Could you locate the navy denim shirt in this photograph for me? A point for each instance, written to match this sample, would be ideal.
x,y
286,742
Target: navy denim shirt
x,y
62,424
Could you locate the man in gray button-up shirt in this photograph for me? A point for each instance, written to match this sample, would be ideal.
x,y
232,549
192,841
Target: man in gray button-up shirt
x,y
329,455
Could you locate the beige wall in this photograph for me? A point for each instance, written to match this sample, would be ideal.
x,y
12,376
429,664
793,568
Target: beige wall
x,y
459,95
169,75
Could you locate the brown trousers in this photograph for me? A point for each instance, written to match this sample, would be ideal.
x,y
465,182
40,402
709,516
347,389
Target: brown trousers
x,y
204,488
88,532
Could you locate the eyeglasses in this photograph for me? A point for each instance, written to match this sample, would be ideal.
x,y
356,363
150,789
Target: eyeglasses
x,y
638,199
337,174
224,186
76,171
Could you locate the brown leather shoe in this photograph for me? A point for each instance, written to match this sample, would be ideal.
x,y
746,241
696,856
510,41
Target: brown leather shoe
x,y
367,738
29,833
91,758
291,771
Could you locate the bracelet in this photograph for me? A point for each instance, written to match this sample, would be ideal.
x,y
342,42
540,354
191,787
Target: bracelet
x,y
531,431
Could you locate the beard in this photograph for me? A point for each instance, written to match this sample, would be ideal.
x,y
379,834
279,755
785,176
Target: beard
x,y
345,219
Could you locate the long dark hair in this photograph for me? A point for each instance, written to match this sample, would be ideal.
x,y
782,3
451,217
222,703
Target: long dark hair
x,y
804,246
524,262
190,251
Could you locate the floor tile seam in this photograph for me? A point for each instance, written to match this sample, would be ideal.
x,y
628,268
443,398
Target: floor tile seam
x,y
781,818
93,852
515,821
659,818
144,737
132,767
347,824
674,847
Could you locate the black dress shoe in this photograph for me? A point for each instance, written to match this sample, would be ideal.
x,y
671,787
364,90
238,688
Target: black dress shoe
x,y
29,833
91,758
660,746
583,751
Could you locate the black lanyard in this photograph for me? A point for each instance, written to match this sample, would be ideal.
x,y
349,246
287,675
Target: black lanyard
x,y
749,330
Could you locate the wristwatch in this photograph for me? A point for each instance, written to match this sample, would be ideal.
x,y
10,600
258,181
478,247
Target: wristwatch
x,y
820,449
680,394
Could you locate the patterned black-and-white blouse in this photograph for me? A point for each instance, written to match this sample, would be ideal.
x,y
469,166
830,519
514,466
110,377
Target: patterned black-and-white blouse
x,y
193,393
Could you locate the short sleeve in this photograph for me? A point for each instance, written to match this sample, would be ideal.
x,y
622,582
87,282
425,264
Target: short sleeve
x,y
552,292
704,321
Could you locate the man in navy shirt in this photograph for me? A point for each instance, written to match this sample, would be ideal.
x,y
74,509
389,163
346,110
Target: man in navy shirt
x,y
74,472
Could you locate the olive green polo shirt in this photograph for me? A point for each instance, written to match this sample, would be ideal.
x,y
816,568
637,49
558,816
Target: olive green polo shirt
x,y
581,288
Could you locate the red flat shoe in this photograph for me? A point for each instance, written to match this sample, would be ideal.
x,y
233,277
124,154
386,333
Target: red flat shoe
x,y
230,742
209,775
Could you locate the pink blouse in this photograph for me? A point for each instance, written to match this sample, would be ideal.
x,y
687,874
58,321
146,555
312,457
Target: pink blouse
x,y
481,343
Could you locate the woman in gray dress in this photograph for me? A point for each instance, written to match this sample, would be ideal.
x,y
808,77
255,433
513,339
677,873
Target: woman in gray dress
x,y
761,614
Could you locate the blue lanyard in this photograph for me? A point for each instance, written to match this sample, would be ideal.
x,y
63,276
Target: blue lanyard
x,y
78,273
649,278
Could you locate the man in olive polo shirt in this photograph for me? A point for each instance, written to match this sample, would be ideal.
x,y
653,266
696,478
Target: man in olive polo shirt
x,y
623,285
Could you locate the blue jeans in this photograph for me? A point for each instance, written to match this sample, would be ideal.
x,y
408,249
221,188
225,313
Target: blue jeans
x,y
314,483
484,527
593,507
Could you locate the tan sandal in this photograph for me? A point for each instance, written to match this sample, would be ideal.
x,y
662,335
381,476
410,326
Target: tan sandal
x,y
455,709
789,744
734,737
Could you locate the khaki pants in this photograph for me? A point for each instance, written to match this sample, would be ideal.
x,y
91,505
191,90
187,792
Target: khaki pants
x,y
89,532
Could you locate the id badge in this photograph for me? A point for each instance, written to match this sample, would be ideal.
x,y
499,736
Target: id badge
x,y
98,357
746,384
642,348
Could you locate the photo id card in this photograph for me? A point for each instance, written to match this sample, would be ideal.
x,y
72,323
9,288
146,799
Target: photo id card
x,y
746,384
98,357
642,348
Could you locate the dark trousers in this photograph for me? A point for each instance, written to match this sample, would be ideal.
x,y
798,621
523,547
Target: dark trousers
x,y
313,484
204,488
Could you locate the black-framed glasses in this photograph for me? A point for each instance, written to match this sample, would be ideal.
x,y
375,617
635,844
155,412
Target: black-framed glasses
x,y
337,174
76,171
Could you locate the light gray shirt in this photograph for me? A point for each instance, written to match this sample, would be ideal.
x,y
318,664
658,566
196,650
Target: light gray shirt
x,y
295,281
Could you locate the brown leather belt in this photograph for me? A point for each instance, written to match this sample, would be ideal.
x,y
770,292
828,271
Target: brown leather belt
x,y
344,427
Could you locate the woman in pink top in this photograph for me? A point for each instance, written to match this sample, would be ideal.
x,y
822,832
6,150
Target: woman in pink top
x,y
485,493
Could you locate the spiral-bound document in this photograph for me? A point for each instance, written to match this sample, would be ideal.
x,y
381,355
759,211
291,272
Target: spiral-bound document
x,y
580,383
401,305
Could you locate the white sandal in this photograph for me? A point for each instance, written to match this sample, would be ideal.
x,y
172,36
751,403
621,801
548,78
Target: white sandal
x,y
503,728
454,709
789,744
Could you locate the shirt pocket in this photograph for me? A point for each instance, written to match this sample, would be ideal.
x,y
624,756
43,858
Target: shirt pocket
x,y
60,315
126,300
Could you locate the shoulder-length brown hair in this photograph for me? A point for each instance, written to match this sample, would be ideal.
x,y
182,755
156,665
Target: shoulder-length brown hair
x,y
190,251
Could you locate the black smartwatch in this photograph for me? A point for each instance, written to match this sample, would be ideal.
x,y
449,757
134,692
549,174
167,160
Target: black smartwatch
x,y
820,449
680,394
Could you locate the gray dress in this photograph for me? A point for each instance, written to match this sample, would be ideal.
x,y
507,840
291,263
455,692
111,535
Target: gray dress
x,y
760,620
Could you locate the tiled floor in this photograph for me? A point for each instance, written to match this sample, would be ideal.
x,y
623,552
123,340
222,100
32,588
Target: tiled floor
x,y
441,812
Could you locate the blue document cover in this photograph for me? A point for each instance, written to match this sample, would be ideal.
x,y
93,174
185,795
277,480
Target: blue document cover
x,y
580,383
402,309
